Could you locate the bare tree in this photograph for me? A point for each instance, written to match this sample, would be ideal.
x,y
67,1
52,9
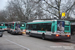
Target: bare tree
x,y
3,16
55,7
39,9
15,10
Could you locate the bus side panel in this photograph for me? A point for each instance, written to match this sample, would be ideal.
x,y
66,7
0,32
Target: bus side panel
x,y
54,26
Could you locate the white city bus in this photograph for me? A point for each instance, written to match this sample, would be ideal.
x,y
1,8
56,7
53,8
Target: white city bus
x,y
53,29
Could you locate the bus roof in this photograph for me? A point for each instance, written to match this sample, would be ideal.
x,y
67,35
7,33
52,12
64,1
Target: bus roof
x,y
43,21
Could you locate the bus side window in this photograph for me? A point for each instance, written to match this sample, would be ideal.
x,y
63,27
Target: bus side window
x,y
41,28
38,27
34,27
30,26
47,26
27,26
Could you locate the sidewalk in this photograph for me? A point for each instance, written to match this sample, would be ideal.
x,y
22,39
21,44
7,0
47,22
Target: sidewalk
x,y
72,39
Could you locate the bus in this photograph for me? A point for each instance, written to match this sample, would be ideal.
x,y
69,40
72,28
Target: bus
x,y
52,29
2,26
15,28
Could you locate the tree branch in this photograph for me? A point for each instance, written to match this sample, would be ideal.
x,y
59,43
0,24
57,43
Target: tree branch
x,y
56,2
50,5
49,12
70,7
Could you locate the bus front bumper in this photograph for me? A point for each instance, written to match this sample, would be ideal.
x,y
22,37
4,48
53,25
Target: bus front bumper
x,y
22,32
18,32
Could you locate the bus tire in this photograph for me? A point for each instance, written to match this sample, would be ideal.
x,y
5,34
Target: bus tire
x,y
12,33
1,35
8,32
29,34
43,36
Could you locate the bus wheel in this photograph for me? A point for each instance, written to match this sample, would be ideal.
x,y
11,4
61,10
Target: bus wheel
x,y
12,33
1,35
29,34
43,36
8,31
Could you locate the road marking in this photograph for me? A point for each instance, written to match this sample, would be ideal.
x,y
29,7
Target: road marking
x,y
8,36
17,44
63,47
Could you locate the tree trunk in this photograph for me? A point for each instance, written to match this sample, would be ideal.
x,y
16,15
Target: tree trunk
x,y
59,9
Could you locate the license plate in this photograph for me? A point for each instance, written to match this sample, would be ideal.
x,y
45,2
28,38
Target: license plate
x,y
63,35
65,32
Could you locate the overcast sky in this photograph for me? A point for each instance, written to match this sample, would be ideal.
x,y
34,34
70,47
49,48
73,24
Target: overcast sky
x,y
3,3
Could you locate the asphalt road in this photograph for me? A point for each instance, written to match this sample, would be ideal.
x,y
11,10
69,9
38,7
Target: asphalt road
x,y
24,42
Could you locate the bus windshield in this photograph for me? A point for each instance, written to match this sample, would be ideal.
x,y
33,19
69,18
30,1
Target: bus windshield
x,y
17,25
12,25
